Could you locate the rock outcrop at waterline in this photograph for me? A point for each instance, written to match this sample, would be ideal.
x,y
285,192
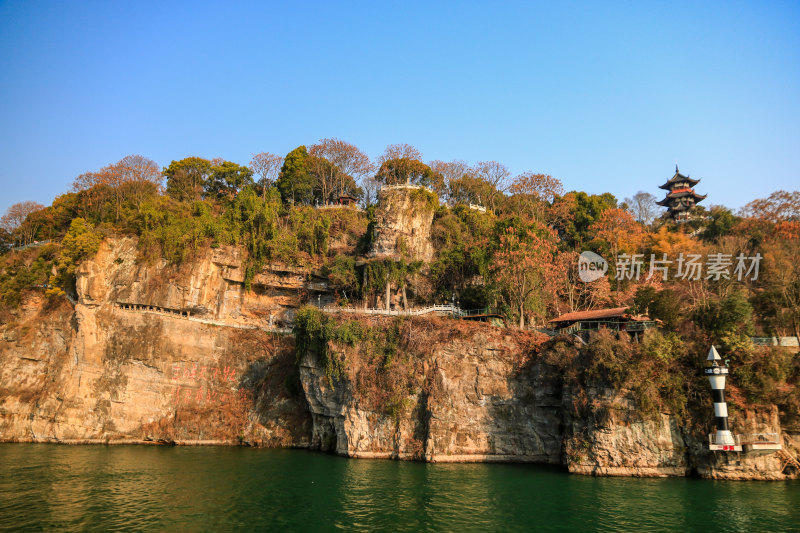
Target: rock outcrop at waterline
x,y
467,400
158,353
483,394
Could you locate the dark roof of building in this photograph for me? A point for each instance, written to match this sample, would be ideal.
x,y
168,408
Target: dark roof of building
x,y
599,314
678,178
682,193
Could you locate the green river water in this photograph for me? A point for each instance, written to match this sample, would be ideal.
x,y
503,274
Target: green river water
x,y
153,488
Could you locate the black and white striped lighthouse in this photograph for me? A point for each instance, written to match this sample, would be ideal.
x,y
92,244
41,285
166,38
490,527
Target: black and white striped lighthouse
x,y
716,373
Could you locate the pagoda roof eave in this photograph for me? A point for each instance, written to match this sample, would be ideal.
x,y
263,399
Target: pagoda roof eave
x,y
684,194
678,177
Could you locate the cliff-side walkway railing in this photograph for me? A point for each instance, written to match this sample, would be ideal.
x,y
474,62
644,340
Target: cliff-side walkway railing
x,y
440,309
406,186
187,315
33,244
776,341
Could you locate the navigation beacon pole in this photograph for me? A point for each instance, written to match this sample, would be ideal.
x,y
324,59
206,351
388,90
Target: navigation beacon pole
x,y
716,375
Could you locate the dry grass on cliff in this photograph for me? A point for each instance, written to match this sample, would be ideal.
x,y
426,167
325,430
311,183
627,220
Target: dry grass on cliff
x,y
653,373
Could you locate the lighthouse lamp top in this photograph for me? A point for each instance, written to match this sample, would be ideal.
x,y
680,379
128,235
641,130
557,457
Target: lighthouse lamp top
x,y
713,355
715,368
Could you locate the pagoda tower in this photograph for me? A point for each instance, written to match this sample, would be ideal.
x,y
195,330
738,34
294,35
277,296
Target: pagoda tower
x,y
681,196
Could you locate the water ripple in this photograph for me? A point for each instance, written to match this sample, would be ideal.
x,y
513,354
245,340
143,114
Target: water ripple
x,y
100,488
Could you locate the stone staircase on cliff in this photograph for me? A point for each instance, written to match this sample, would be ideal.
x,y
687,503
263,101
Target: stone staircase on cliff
x,y
788,460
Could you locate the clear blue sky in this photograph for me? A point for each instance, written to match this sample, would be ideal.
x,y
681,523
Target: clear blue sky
x,y
605,96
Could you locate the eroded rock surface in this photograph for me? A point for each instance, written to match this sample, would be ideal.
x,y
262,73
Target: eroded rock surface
x,y
403,223
199,360
483,397
100,371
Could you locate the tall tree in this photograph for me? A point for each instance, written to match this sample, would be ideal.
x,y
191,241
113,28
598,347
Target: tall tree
x,y
137,167
524,267
295,182
399,151
94,192
346,162
186,179
6,241
404,170
781,282
779,206
470,189
540,186
266,166
616,229
718,223
643,207
533,194
370,188
584,210
141,179
116,179
13,221
227,179
495,174
450,171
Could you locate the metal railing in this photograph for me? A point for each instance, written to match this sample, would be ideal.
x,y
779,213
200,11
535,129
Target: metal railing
x,y
447,308
592,325
406,186
186,315
462,313
640,326
30,245
760,438
775,341
712,439
354,207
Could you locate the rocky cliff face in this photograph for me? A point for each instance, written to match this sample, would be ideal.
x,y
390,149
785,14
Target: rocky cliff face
x,y
616,440
470,401
403,223
483,395
153,352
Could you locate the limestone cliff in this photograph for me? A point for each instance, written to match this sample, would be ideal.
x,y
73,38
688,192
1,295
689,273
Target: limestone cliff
x,y
403,223
468,400
158,352
155,352
482,394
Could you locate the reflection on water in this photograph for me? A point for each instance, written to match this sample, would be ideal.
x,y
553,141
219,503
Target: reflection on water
x,y
48,487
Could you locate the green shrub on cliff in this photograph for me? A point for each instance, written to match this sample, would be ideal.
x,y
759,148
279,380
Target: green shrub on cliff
x,y
81,242
21,271
315,332
384,369
342,274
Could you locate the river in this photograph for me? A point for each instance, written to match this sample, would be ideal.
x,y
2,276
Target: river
x,y
159,488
